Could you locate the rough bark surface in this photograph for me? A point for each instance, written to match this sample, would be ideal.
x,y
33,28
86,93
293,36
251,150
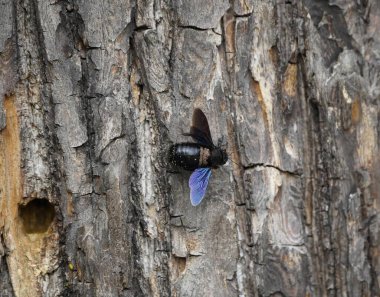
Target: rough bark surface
x,y
92,93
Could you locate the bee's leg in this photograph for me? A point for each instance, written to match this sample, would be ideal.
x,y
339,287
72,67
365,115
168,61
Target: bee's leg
x,y
172,169
187,134
222,141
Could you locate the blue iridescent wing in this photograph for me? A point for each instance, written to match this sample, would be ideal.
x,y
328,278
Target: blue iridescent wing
x,y
198,184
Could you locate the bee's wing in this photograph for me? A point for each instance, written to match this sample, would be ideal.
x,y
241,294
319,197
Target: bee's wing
x,y
198,184
200,130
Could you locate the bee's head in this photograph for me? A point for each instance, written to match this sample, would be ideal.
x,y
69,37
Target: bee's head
x,y
224,156
220,152
219,156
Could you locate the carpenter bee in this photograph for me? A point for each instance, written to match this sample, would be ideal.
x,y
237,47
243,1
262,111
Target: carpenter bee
x,y
199,157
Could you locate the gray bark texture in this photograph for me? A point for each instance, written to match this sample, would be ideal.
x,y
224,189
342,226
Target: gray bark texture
x,y
92,94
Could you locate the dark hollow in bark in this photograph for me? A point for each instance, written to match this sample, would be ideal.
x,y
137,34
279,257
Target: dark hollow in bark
x,y
36,215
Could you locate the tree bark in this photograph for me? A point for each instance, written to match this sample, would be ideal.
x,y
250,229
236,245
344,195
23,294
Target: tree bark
x,y
92,94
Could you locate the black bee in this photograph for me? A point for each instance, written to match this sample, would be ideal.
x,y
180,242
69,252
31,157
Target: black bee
x,y
199,157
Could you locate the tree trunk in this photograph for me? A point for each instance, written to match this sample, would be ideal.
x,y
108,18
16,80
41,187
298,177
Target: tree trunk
x,y
92,94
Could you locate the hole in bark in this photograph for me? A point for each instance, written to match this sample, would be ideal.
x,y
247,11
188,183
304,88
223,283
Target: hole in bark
x,y
36,216
180,263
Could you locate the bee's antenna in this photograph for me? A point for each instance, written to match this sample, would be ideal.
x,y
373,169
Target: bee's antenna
x,y
230,157
234,162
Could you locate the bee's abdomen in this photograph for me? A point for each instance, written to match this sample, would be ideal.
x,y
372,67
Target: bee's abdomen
x,y
186,155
